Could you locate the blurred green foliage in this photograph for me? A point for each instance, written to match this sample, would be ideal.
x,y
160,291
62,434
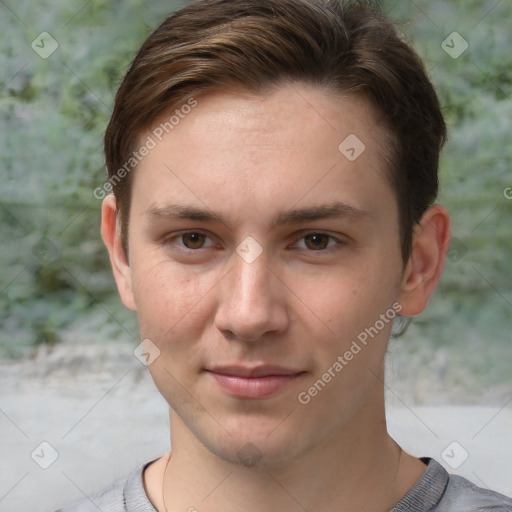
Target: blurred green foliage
x,y
54,271
53,267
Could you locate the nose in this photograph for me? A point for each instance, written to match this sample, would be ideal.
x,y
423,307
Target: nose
x,y
252,301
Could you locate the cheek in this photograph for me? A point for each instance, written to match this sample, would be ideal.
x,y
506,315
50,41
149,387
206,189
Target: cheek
x,y
348,361
171,303
351,303
346,300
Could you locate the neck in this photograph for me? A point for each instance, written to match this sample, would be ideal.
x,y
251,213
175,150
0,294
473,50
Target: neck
x,y
358,468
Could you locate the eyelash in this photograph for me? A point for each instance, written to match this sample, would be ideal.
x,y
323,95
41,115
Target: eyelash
x,y
338,242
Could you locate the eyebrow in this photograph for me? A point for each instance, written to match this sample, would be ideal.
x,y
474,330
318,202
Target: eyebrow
x,y
337,209
176,211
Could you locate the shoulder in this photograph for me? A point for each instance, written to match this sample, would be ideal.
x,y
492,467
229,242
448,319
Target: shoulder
x,y
126,495
110,499
438,491
463,496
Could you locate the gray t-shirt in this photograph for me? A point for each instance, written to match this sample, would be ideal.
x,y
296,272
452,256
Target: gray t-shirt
x,y
435,491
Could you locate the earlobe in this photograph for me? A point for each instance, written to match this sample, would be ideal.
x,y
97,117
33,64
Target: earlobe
x,y
111,234
423,270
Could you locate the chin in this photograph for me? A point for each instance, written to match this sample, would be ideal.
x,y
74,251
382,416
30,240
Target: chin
x,y
258,446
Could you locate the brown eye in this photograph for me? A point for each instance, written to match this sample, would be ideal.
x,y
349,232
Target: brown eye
x,y
317,241
193,240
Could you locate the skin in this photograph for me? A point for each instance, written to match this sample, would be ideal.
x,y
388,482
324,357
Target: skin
x,y
300,303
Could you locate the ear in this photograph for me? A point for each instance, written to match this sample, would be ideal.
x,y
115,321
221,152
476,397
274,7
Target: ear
x,y
111,234
431,240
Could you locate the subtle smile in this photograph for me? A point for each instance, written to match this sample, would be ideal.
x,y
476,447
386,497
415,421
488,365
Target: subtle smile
x,y
258,382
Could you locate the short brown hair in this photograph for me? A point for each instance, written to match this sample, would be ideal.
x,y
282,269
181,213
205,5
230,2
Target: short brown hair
x,y
257,44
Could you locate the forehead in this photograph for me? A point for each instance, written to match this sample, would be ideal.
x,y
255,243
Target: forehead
x,y
290,144
296,109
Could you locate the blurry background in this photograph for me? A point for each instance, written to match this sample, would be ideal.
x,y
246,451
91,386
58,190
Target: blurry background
x,y
66,341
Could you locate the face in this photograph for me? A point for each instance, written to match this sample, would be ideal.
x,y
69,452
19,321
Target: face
x,y
261,251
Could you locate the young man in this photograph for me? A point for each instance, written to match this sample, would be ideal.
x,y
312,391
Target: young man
x,y
274,167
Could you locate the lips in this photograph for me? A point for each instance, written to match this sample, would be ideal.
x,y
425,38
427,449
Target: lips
x,y
257,382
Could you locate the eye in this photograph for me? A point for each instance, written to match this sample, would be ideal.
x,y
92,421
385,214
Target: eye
x,y
317,242
191,240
